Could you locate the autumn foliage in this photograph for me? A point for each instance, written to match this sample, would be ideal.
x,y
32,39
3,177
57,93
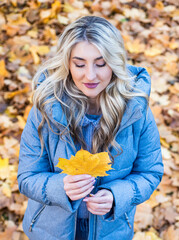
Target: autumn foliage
x,y
29,32
84,162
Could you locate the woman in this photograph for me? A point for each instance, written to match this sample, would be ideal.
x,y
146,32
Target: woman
x,y
87,96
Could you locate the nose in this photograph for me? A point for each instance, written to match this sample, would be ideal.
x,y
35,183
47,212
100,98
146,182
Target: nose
x,y
90,73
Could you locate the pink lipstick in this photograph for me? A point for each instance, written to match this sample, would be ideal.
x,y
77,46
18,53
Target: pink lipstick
x,y
91,85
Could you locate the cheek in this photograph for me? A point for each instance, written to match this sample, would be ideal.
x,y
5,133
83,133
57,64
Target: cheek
x,y
107,76
76,74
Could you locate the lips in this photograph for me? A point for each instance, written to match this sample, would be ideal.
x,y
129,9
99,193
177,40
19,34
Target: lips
x,y
91,85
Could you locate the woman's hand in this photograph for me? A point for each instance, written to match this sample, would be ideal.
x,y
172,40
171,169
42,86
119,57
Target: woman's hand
x,y
78,186
100,203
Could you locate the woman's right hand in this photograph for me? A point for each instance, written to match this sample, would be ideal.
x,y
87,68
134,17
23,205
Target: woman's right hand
x,y
78,186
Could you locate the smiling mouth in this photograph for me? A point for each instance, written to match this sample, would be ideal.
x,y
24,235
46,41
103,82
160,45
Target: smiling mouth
x,y
91,85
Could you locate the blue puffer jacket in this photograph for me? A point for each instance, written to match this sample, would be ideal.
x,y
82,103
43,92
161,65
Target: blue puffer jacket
x,y
137,172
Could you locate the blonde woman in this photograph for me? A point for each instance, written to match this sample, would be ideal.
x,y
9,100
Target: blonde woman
x,y
87,96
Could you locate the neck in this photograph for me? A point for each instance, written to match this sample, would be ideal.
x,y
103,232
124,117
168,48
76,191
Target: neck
x,y
94,107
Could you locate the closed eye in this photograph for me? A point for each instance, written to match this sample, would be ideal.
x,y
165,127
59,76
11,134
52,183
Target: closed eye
x,y
101,65
79,65
98,65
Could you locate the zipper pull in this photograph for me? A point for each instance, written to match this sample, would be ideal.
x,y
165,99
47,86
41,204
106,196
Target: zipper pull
x,y
30,228
128,221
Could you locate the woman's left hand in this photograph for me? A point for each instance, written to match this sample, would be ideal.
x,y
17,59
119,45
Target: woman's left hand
x,y
100,203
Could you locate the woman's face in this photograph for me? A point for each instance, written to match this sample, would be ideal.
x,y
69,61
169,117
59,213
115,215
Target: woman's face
x,y
89,71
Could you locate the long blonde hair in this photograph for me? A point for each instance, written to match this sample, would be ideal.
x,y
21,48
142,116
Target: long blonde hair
x,y
112,99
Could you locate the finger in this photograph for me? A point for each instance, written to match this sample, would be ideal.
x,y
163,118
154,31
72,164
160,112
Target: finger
x,y
96,199
82,195
78,185
75,190
76,178
97,212
100,197
99,207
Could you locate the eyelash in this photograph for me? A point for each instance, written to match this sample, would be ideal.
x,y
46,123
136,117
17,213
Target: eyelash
x,y
80,66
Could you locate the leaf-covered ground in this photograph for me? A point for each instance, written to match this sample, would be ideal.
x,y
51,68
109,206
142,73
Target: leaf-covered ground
x,y
29,32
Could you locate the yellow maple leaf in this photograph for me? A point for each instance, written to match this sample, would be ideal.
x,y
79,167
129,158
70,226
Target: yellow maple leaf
x,y
152,236
86,163
3,71
4,168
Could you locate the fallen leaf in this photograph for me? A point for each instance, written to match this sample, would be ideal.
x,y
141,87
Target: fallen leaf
x,y
154,51
21,122
170,233
143,216
3,71
135,46
4,168
63,20
6,190
9,95
67,7
159,5
152,236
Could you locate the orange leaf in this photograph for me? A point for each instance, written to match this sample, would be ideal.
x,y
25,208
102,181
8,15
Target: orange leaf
x,y
135,46
3,71
159,6
9,95
86,163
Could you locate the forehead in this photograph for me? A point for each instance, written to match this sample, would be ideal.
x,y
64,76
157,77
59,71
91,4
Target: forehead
x,y
85,50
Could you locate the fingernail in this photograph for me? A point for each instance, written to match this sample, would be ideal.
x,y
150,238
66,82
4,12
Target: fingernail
x,y
88,176
85,200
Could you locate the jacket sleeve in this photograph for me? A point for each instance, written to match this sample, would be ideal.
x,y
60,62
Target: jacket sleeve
x,y
35,177
146,173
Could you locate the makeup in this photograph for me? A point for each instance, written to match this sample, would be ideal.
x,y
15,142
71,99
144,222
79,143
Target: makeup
x,y
91,85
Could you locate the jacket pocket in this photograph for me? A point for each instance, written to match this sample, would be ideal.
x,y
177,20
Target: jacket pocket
x,y
127,219
36,216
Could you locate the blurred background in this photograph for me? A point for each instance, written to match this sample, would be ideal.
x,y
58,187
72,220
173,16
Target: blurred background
x,y
29,32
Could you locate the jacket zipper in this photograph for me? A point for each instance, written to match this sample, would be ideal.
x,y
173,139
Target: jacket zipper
x,y
127,219
94,227
95,217
36,216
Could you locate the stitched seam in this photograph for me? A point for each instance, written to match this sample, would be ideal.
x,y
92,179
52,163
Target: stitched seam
x,y
44,192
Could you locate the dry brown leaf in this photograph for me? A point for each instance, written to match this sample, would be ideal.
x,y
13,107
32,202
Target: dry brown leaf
x,y
156,198
154,51
170,233
6,190
135,46
143,216
67,7
7,235
172,68
9,95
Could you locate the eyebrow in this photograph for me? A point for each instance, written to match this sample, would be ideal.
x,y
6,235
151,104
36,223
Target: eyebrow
x,y
98,58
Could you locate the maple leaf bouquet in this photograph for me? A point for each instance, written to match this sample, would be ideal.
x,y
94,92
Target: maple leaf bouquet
x,y
86,163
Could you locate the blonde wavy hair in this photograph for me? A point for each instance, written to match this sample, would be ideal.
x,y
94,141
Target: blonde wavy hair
x,y
59,83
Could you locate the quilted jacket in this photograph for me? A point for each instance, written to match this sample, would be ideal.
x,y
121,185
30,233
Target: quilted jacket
x,y
137,171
